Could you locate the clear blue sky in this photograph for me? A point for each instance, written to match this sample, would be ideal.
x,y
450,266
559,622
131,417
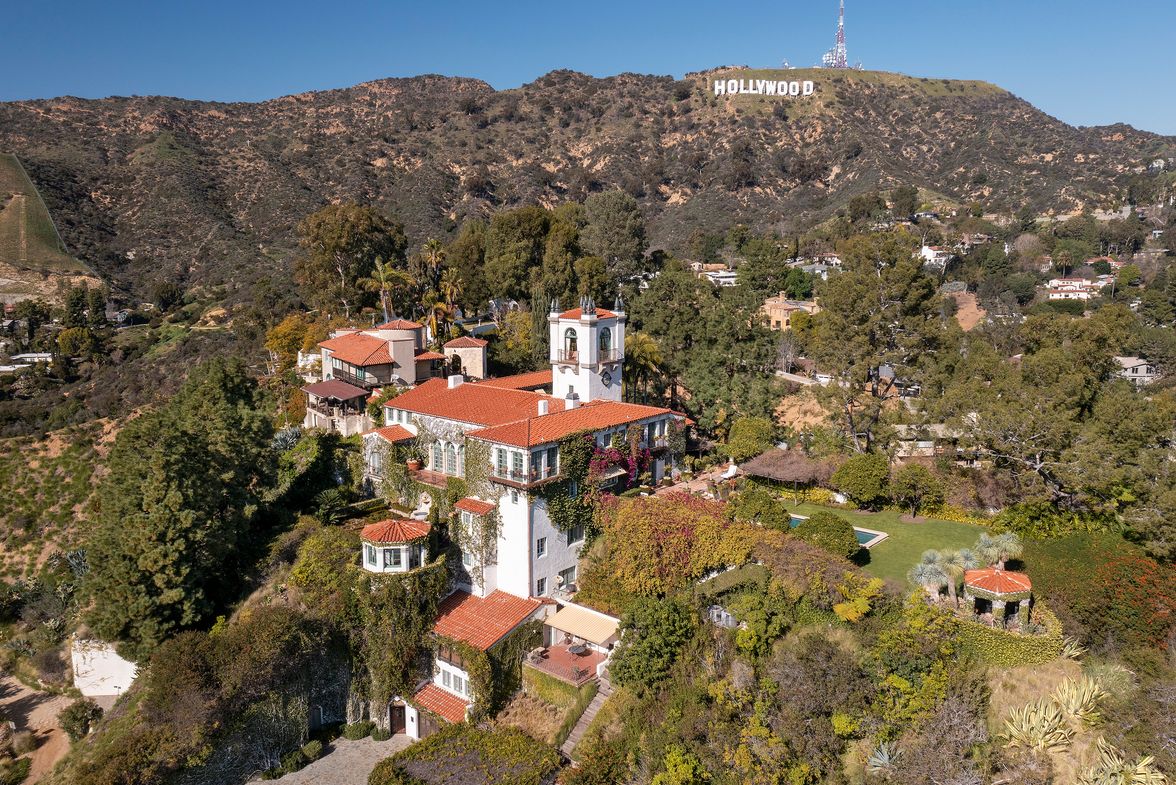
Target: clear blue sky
x,y
1083,61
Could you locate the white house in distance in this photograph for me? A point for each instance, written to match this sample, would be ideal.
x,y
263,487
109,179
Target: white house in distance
x,y
1072,288
936,257
1137,370
519,426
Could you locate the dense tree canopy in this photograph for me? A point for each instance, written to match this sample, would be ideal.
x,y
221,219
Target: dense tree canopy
x,y
177,510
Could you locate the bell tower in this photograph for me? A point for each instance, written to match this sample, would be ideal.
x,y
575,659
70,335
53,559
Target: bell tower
x,y
587,351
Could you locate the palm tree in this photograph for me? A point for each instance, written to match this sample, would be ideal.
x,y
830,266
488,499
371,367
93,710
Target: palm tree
x,y
433,255
437,318
995,551
930,574
451,287
643,361
955,564
381,280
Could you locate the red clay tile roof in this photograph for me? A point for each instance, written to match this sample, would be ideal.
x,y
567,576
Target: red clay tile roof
x,y
393,433
333,388
395,530
482,621
521,381
476,506
479,404
576,313
441,702
552,427
998,581
399,324
424,355
466,342
359,349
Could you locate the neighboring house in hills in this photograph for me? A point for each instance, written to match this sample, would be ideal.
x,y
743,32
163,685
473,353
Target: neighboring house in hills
x,y
353,363
779,310
1137,370
502,442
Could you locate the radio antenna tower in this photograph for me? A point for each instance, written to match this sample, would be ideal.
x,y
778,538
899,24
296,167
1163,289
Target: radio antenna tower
x,y
837,57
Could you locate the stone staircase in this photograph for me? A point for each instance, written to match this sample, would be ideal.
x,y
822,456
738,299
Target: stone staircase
x,y
602,694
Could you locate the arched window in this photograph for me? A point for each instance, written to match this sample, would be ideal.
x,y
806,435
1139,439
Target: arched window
x,y
605,341
570,343
450,460
437,456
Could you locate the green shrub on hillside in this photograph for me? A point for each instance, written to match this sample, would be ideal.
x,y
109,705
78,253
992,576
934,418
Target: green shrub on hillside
x,y
830,532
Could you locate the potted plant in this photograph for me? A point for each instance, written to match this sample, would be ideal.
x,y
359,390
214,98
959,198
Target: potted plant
x,y
414,463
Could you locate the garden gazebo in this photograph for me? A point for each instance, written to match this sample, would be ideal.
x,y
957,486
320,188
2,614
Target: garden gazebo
x,y
788,467
998,589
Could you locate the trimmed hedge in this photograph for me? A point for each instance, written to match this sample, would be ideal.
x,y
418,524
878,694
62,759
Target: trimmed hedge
x,y
995,646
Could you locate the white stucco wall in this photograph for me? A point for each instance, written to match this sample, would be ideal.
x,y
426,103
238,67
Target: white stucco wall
x,y
512,568
560,555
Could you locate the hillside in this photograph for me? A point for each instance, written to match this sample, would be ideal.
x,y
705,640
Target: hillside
x,y
209,193
32,256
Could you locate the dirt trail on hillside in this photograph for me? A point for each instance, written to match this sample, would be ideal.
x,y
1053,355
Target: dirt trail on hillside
x,y
37,712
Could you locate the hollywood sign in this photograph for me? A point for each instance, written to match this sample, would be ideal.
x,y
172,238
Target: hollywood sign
x,y
763,87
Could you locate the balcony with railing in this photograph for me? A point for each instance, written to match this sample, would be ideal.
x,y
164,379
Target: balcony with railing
x,y
570,663
523,477
367,381
574,356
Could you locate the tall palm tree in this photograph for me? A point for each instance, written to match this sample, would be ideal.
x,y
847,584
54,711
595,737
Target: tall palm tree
x,y
643,363
929,574
995,551
433,255
451,287
381,280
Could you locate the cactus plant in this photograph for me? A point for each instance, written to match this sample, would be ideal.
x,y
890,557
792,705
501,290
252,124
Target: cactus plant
x,y
1079,699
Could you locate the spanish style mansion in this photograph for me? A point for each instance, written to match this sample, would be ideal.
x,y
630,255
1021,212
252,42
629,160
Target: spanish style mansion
x,y
453,415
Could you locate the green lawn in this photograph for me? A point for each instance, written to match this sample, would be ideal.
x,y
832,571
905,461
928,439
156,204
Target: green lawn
x,y
895,555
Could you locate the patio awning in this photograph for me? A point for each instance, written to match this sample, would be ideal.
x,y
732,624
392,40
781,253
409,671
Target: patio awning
x,y
591,626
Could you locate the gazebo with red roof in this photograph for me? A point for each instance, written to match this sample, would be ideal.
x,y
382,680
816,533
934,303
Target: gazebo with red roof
x,y
395,545
1005,592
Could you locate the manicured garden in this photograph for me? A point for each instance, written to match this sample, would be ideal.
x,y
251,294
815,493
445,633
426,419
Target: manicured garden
x,y
892,558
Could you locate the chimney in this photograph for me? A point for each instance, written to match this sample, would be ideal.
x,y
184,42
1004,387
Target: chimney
x,y
543,406
455,381
572,401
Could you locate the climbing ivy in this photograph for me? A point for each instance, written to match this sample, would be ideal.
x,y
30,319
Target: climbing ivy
x,y
571,499
397,613
497,674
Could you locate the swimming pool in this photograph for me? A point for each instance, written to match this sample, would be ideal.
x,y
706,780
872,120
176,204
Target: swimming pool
x,y
868,538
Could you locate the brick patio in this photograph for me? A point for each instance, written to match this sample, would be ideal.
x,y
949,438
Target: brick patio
x,y
575,669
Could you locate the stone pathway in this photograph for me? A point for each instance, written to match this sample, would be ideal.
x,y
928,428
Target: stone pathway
x,y
586,718
348,762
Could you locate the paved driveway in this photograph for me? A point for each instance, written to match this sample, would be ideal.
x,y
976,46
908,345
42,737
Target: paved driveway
x,y
348,762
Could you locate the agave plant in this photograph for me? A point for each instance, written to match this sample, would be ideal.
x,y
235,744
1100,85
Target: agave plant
x,y
1072,649
1039,725
1111,768
286,438
883,758
1079,700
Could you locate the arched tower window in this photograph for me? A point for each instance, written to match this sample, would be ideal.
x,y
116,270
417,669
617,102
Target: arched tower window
x,y
605,341
570,343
